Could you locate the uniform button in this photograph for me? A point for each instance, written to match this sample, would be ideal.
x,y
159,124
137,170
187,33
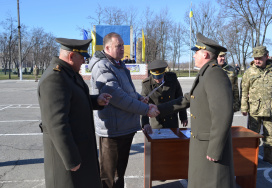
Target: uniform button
x,y
191,115
171,118
193,136
191,133
161,97
164,120
194,117
192,96
169,97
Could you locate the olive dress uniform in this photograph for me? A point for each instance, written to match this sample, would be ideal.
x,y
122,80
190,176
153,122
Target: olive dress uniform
x,y
211,119
68,128
210,101
170,90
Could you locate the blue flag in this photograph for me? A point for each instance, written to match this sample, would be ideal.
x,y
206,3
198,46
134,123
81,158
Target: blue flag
x,y
85,34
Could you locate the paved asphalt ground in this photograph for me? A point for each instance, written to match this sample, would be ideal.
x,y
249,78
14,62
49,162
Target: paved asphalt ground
x,y
21,149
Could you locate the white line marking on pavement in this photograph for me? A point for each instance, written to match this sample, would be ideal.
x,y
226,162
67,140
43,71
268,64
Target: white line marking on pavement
x,y
21,181
133,177
266,175
238,115
39,185
263,168
5,107
24,134
184,183
2,107
12,121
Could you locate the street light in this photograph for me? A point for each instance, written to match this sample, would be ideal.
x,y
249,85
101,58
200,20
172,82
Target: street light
x,y
19,41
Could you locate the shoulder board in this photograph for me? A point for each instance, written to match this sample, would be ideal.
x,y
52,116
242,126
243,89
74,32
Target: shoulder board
x,y
57,68
214,65
146,79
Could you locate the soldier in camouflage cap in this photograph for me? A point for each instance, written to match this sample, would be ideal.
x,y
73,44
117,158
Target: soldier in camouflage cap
x,y
230,71
256,97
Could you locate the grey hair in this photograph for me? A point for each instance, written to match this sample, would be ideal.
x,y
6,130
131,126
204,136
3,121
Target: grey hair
x,y
212,55
64,53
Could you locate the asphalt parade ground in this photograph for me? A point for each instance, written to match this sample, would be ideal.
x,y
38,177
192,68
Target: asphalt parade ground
x,y
21,149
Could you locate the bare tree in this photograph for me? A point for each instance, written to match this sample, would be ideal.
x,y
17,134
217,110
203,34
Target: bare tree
x,y
98,18
49,49
10,39
151,35
204,21
157,30
236,38
255,13
4,51
177,41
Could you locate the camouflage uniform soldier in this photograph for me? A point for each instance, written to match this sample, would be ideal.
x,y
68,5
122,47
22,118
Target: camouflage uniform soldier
x,y
256,97
230,71
36,73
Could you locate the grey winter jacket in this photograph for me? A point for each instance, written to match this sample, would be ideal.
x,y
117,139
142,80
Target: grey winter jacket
x,y
122,115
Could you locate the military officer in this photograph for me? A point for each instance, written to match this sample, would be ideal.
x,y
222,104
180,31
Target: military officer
x,y
169,89
230,71
210,100
256,97
70,150
36,73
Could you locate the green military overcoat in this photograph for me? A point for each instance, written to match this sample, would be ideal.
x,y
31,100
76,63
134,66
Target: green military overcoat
x,y
68,128
170,90
211,116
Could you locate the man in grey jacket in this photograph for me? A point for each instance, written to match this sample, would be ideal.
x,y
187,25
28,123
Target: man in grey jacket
x,y
120,120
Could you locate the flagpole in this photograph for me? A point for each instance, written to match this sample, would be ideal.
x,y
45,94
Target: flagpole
x,y
190,42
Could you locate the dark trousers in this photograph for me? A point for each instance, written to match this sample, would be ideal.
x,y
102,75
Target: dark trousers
x,y
113,159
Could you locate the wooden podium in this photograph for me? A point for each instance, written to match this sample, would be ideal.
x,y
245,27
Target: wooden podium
x,y
167,159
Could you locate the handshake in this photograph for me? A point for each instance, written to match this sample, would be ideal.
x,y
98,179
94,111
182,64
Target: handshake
x,y
153,111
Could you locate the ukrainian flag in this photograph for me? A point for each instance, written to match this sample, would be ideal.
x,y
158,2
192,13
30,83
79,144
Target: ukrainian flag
x,y
122,30
93,42
191,13
143,46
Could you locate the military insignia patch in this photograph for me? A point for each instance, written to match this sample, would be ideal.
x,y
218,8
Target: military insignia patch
x,y
57,68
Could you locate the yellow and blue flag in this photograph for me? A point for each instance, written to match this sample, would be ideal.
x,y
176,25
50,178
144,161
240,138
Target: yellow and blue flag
x,y
123,30
135,46
93,42
85,34
143,46
191,13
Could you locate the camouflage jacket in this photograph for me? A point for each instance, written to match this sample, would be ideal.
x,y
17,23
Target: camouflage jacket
x,y
256,90
230,71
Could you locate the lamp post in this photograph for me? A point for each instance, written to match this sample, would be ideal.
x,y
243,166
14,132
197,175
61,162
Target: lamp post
x,y
19,41
10,37
162,51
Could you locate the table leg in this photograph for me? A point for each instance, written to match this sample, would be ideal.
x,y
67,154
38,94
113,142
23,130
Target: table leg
x,y
246,181
147,164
